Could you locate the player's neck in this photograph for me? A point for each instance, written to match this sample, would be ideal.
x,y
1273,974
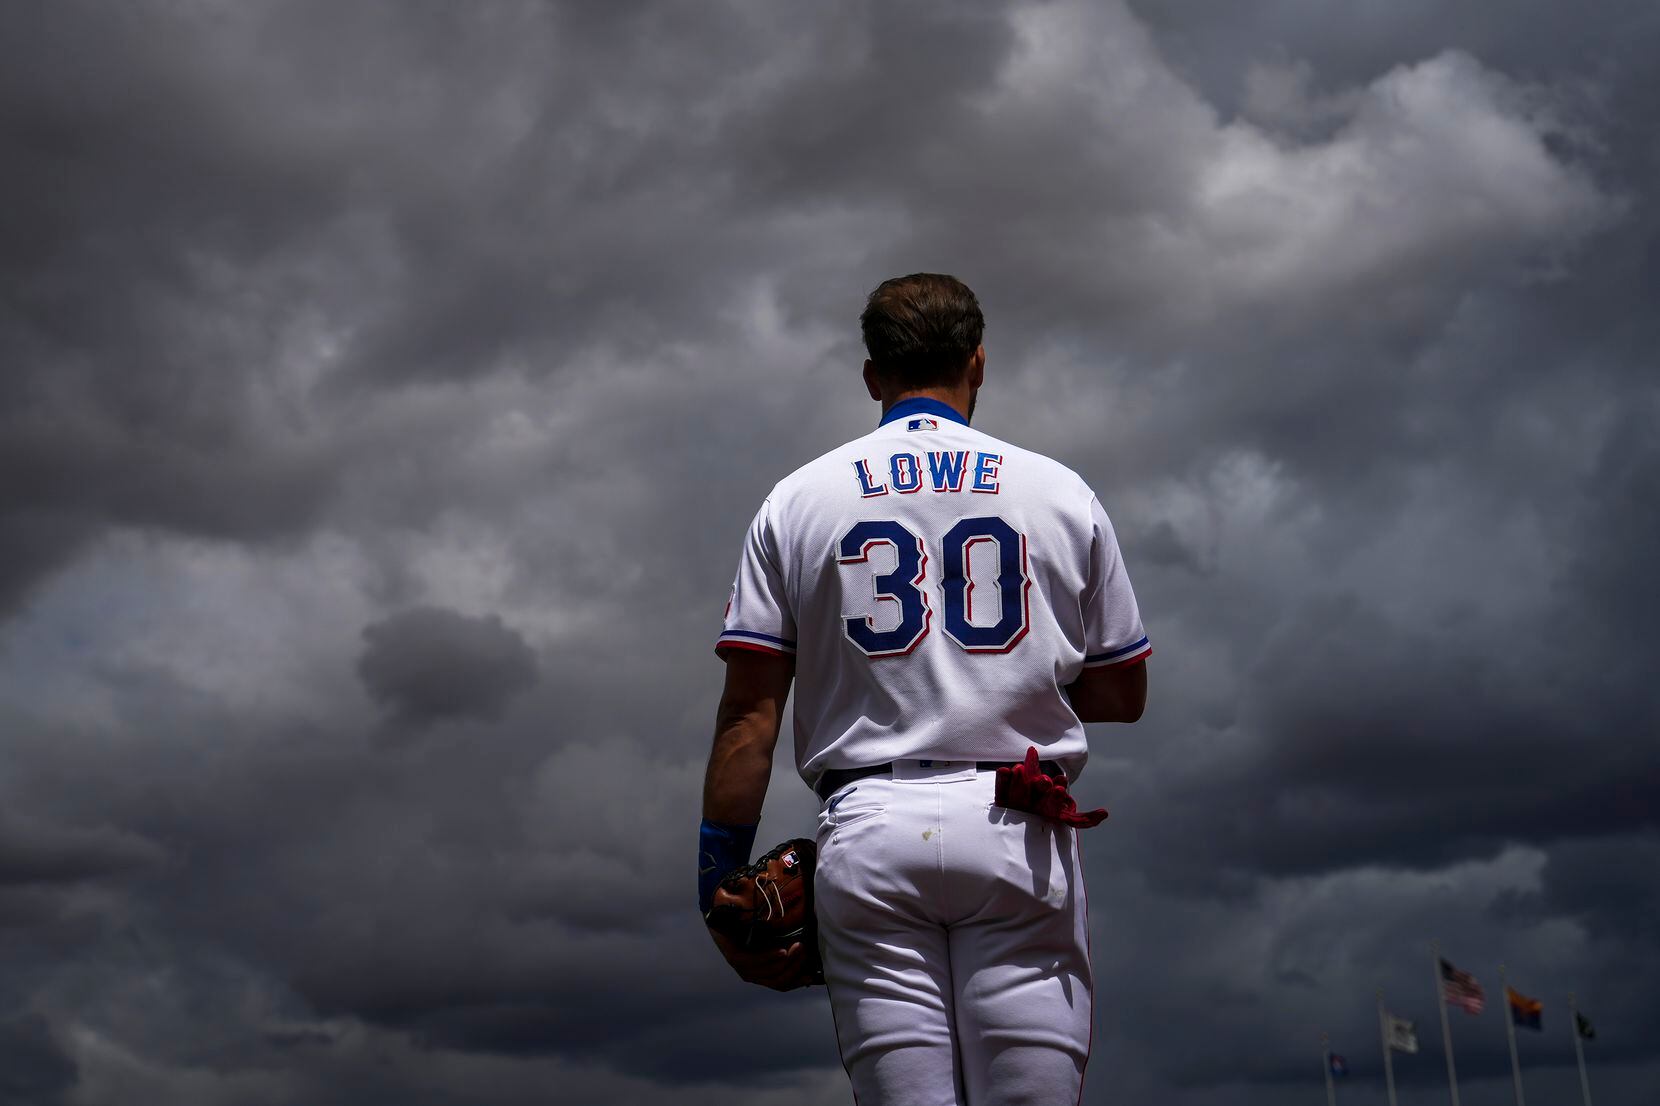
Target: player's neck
x,y
959,398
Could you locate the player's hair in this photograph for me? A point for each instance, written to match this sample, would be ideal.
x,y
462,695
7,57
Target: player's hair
x,y
920,330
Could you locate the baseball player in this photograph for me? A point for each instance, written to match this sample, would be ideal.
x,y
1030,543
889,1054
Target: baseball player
x,y
944,603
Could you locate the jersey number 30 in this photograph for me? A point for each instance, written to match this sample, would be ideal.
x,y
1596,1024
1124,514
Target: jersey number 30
x,y
905,586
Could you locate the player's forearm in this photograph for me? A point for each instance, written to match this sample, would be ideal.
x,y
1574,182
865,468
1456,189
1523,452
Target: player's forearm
x,y
1098,709
740,763
740,766
733,788
746,730
1116,694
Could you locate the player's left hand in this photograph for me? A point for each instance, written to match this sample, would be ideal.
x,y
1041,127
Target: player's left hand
x,y
783,969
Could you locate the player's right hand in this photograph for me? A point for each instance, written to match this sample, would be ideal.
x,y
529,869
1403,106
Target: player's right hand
x,y
1026,787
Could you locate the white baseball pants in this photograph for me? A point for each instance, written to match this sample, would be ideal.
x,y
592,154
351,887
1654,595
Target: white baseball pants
x,y
955,936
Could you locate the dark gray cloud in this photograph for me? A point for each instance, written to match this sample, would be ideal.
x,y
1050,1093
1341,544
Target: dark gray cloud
x,y
33,1069
428,663
324,325
32,852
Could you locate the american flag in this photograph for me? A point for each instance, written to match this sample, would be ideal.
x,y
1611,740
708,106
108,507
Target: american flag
x,y
1462,990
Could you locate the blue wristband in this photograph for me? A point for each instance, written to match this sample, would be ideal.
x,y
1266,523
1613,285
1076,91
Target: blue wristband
x,y
721,847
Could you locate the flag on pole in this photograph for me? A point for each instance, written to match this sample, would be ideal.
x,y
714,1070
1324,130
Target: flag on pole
x,y
1339,1066
1400,1034
1525,1012
1460,989
1584,1026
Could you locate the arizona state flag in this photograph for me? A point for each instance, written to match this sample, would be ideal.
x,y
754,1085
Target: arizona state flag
x,y
1526,1012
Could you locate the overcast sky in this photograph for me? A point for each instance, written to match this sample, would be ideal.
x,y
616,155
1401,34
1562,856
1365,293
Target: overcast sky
x,y
385,389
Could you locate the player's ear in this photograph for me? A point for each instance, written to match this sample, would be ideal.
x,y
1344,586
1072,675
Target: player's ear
x,y
870,382
977,367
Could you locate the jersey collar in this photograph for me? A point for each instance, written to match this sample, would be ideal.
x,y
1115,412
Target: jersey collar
x,y
921,405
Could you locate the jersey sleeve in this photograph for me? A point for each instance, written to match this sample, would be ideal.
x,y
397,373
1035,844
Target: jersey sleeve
x,y
1112,621
758,616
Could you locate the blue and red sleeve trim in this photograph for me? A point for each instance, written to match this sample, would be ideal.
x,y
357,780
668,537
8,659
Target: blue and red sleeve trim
x,y
1132,652
757,642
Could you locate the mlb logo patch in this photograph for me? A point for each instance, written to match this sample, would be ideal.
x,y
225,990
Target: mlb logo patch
x,y
922,424
788,859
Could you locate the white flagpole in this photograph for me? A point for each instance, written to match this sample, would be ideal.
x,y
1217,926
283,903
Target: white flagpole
x,y
1331,1091
1388,1060
1446,1028
1510,1035
1579,1048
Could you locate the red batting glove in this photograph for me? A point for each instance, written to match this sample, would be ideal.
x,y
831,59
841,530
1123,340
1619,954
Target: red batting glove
x,y
1027,787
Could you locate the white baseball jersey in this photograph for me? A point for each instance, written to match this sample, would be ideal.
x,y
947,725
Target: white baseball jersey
x,y
938,588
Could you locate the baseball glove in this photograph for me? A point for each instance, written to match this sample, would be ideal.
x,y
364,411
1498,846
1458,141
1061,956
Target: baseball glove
x,y
762,919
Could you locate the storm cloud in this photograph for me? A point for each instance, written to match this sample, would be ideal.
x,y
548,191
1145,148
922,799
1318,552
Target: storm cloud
x,y
428,663
385,388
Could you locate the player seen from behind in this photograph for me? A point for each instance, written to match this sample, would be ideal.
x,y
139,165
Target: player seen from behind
x,y
951,610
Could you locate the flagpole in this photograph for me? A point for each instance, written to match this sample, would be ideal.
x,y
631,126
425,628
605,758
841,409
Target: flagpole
x,y
1579,1048
1331,1091
1388,1060
1510,1035
1446,1027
